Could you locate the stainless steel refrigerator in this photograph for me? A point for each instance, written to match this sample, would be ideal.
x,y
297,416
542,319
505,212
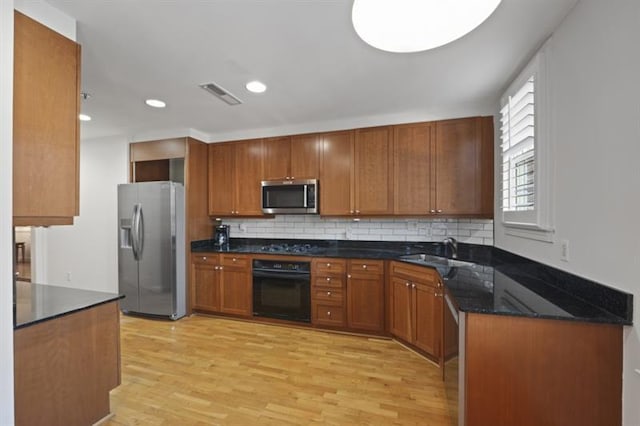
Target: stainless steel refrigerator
x,y
151,249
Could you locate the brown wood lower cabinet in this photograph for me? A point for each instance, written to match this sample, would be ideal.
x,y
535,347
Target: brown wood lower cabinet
x,y
65,367
328,292
365,295
531,372
416,307
222,283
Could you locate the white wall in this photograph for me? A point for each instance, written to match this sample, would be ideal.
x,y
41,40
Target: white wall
x,y
594,64
88,250
6,212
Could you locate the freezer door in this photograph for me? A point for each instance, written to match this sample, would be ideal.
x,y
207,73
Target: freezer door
x,y
127,264
157,249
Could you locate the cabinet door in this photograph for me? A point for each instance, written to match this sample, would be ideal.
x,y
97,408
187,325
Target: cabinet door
x,y
335,174
427,330
206,286
277,158
458,166
248,164
221,179
373,171
46,97
412,180
235,285
305,157
401,309
365,296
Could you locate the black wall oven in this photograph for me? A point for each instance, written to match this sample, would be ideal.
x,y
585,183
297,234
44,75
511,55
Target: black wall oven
x,y
282,290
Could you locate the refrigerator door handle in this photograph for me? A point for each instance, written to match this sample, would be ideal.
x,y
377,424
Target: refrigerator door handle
x,y
135,224
140,230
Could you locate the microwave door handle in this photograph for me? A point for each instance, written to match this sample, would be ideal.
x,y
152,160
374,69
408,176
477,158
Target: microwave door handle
x,y
306,191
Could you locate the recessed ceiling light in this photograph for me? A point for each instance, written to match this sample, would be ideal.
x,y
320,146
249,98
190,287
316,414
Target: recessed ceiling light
x,y
84,117
256,86
156,103
417,25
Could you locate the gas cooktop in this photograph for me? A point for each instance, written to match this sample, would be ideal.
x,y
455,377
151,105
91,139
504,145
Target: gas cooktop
x,y
289,248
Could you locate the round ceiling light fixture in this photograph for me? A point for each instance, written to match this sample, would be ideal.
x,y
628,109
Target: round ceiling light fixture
x,y
84,117
156,103
256,86
405,26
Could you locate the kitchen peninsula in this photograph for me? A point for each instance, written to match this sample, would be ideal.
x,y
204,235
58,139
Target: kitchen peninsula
x,y
67,354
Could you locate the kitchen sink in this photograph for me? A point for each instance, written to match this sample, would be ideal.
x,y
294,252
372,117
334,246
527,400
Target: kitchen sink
x,y
429,259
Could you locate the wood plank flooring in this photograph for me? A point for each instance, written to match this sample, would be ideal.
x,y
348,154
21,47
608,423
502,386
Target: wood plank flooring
x,y
213,371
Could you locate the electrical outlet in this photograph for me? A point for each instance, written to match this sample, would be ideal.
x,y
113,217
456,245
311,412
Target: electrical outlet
x,y
564,250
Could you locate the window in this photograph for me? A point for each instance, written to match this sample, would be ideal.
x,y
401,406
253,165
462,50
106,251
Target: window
x,y
524,148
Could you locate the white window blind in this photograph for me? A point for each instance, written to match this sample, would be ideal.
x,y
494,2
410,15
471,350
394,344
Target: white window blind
x,y
518,149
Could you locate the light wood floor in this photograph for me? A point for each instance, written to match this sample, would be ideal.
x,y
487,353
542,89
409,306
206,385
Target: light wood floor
x,y
210,371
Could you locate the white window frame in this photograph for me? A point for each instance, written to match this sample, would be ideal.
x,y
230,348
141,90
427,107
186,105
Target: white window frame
x,y
537,223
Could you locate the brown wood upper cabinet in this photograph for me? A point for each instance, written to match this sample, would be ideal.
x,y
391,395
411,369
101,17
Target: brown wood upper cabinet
x,y
46,87
292,157
463,167
444,168
356,173
235,173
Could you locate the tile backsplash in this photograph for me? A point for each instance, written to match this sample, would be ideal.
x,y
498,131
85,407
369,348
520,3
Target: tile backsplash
x,y
313,227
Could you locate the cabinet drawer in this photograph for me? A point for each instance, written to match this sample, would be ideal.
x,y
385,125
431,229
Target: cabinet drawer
x,y
329,266
204,259
332,281
327,294
414,273
328,314
234,260
374,267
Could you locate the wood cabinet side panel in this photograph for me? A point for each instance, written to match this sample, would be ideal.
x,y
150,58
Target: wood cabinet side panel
x,y
534,372
199,226
64,368
45,121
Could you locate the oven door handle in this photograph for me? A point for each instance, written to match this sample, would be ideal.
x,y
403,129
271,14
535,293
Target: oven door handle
x,y
281,275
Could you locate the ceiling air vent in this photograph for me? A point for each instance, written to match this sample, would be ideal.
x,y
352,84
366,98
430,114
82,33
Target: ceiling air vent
x,y
221,93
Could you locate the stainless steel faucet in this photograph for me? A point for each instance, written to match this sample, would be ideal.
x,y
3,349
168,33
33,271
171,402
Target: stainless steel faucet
x,y
453,243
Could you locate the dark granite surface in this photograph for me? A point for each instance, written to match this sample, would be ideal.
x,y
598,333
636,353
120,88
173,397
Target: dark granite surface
x,y
497,282
35,303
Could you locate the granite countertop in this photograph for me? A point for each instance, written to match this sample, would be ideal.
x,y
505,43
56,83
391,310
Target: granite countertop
x,y
35,303
494,282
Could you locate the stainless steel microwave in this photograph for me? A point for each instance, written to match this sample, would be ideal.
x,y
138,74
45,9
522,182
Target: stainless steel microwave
x,y
290,196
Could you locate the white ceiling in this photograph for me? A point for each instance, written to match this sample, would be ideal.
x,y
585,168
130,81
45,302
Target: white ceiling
x,y
320,75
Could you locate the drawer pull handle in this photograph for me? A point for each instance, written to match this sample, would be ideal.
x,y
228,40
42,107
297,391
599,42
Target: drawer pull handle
x,y
364,266
413,286
328,265
204,258
328,293
328,279
234,259
328,313
407,284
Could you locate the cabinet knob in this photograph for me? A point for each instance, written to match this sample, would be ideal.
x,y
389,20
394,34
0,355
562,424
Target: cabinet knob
x,y
329,313
328,279
351,211
413,286
292,177
407,284
328,293
364,266
234,260
204,258
220,268
287,177
215,268
349,276
432,211
328,265
439,211
357,211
